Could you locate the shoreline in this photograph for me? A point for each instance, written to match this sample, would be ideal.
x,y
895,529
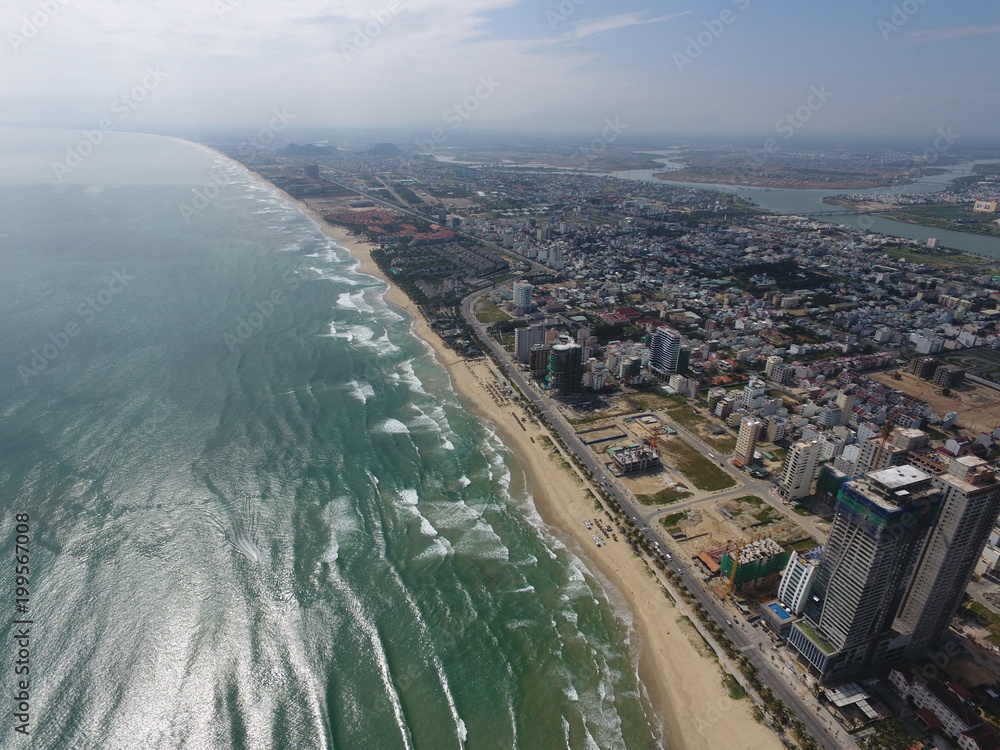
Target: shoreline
x,y
770,183
681,682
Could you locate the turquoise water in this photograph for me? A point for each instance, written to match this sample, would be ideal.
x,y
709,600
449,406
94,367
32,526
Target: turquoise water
x,y
259,515
809,201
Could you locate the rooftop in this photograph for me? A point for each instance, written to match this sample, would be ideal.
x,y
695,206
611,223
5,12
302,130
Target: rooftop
x,y
899,477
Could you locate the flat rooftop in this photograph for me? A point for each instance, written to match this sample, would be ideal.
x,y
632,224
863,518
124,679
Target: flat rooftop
x,y
898,477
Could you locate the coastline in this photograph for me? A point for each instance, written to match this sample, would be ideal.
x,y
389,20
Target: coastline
x,y
683,684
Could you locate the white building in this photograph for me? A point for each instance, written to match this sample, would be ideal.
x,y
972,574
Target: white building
x,y
799,470
796,582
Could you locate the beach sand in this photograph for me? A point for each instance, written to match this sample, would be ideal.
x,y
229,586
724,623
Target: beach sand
x,y
683,683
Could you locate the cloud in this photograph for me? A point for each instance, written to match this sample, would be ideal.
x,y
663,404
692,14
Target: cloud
x,y
587,28
958,32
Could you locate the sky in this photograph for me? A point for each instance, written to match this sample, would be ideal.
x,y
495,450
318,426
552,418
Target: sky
x,y
722,67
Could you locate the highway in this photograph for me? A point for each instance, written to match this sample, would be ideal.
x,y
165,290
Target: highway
x,y
749,640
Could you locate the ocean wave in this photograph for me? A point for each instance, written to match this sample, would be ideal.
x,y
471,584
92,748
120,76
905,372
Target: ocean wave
x,y
392,427
361,391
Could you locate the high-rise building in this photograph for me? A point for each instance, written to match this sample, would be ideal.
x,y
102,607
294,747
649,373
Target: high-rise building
x,y
522,295
538,361
969,509
845,402
565,369
556,261
880,523
664,351
775,429
923,367
949,376
876,456
746,441
525,339
772,362
799,470
796,581
753,394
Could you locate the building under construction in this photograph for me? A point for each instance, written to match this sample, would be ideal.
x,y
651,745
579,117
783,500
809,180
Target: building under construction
x,y
634,457
752,563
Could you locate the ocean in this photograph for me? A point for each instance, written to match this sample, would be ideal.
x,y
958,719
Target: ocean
x,y
251,510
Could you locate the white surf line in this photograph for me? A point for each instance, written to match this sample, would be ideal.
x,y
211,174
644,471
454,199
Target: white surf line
x,y
371,632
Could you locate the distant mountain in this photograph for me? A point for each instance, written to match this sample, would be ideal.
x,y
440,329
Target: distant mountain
x,y
384,149
310,149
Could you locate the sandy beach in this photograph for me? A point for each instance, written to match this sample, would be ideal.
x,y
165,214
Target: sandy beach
x,y
683,682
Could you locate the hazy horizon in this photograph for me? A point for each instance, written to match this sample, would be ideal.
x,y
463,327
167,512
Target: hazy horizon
x,y
732,68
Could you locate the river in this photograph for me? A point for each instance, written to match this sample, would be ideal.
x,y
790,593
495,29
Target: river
x,y
811,201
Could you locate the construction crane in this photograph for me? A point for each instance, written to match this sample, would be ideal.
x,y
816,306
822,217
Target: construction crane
x,y
734,553
887,427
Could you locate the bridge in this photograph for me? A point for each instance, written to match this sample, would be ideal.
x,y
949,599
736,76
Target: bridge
x,y
846,212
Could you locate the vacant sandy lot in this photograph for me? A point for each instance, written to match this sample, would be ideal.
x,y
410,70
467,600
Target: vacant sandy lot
x,y
977,406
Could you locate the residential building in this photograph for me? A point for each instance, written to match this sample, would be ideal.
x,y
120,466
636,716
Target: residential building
x,y
746,441
880,522
753,395
664,351
522,295
796,581
949,376
799,470
525,339
564,369
969,508
845,402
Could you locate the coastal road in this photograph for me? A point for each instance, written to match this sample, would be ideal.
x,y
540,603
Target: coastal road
x,y
802,704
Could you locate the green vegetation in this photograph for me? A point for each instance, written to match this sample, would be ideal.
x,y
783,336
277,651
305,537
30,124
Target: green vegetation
x,y
664,497
982,614
487,312
674,518
763,512
951,216
935,434
802,545
701,471
815,637
891,734
945,261
408,195
733,687
685,417
649,401
779,454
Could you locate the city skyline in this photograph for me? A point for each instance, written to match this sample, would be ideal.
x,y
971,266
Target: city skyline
x,y
739,67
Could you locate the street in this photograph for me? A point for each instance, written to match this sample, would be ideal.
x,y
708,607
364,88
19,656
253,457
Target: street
x,y
746,640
